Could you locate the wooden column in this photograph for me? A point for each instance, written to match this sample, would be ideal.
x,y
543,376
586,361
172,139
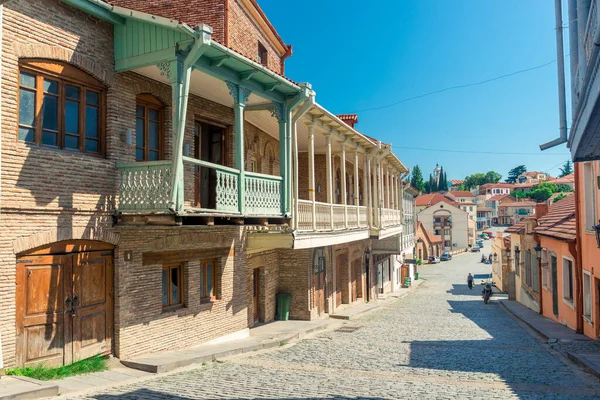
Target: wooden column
x,y
344,188
329,179
368,192
311,173
240,96
356,188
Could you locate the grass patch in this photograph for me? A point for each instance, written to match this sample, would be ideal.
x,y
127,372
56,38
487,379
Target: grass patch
x,y
282,343
93,364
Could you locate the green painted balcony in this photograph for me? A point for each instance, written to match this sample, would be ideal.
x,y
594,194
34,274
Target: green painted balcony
x,y
145,187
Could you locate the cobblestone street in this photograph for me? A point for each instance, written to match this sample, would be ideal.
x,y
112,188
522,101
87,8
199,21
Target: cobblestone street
x,y
439,342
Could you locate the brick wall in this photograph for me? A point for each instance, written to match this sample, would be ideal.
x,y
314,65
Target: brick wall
x,y
191,12
244,33
294,279
51,195
268,264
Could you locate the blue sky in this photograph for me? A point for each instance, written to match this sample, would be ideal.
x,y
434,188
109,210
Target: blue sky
x,y
359,55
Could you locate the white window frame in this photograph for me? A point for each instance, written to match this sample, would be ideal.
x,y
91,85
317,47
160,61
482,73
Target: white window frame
x,y
568,301
545,271
589,196
587,295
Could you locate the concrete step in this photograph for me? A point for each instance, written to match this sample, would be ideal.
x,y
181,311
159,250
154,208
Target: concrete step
x,y
21,388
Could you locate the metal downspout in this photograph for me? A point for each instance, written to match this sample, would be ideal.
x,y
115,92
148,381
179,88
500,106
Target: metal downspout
x,y
560,63
578,256
573,49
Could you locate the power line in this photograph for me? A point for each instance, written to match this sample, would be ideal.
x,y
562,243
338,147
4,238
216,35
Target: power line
x,y
458,87
479,152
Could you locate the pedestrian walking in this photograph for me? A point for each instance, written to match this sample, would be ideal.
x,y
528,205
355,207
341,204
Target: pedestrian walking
x,y
470,281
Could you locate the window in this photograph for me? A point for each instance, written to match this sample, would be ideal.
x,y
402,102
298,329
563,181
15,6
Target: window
x,y
587,296
437,232
545,268
148,128
447,232
535,277
567,279
262,54
208,280
171,286
589,199
446,243
60,106
319,261
518,264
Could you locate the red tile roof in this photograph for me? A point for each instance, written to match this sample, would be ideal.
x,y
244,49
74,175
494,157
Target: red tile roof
x,y
431,238
485,209
456,181
519,227
433,198
461,193
526,203
497,185
497,197
565,179
559,222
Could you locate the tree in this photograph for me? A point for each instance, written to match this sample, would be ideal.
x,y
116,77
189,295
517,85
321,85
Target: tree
x,y
474,180
563,188
416,179
515,172
566,169
430,185
559,197
441,185
519,194
543,191
492,177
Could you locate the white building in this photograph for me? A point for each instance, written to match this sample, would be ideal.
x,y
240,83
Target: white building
x,y
449,222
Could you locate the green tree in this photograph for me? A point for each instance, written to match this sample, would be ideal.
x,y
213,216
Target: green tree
x,y
563,188
492,177
515,172
519,194
559,197
416,179
566,169
543,191
474,180
462,187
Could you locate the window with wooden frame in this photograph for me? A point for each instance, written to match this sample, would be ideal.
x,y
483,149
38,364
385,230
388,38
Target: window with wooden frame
x,y
149,127
208,284
60,106
262,54
172,285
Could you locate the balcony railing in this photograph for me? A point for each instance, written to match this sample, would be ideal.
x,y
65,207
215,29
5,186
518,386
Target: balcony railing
x,y
390,217
146,186
330,217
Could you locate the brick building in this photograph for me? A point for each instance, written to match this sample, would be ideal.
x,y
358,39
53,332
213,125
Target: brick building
x,y
159,187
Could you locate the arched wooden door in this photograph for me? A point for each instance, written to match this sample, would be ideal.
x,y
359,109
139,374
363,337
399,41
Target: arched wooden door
x,y
64,303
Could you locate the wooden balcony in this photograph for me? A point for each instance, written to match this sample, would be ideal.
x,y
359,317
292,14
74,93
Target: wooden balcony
x,y
147,187
325,217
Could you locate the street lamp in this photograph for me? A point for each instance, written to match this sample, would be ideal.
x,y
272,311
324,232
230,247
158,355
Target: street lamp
x,y
538,253
508,252
597,229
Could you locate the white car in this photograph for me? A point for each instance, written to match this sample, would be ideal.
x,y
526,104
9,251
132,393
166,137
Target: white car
x,y
434,260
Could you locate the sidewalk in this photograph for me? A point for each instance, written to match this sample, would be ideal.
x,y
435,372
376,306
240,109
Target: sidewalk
x,y
585,351
265,336
352,311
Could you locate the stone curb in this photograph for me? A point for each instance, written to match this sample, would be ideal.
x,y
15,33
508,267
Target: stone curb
x,y
543,335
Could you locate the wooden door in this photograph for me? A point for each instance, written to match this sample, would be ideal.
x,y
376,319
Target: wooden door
x,y
256,292
340,264
319,291
92,304
355,268
554,277
42,322
64,307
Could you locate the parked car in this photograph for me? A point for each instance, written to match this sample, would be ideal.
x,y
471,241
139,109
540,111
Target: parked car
x,y
479,243
476,249
434,260
446,257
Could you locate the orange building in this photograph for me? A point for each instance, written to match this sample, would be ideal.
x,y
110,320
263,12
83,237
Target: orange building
x,y
586,192
557,236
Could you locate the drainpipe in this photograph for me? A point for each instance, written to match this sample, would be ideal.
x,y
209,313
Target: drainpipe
x,y
578,254
308,103
573,48
560,62
1,7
